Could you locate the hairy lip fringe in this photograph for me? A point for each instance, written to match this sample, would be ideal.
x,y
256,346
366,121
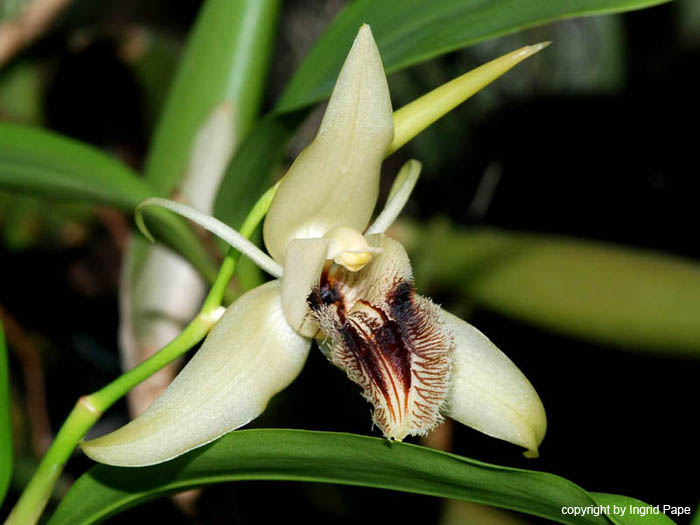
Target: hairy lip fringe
x,y
390,341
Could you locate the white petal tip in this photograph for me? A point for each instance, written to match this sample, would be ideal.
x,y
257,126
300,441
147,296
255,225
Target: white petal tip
x,y
489,393
103,450
251,354
364,37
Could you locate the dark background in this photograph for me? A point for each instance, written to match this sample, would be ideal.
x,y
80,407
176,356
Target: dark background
x,y
595,140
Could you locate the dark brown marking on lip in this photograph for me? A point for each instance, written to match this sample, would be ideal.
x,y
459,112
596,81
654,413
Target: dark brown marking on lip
x,y
388,343
326,293
389,340
400,299
364,353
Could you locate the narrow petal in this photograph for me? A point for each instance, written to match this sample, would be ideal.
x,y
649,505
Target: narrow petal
x,y
335,180
398,196
303,265
249,356
489,393
215,226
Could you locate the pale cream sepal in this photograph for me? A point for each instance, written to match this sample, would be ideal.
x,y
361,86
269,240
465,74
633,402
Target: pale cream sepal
x,y
302,272
251,354
489,393
335,180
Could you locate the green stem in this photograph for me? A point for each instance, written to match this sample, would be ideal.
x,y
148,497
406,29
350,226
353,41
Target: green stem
x,y
87,411
193,333
36,494
251,222
90,408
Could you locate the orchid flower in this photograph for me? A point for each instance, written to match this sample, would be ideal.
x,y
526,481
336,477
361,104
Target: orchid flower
x,y
349,287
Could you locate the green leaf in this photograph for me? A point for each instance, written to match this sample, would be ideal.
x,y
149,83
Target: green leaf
x,y
154,65
226,60
43,163
411,31
5,430
328,457
21,92
695,520
248,174
596,291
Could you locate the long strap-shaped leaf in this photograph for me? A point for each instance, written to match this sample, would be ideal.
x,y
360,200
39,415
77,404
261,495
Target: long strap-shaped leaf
x,y
225,62
41,162
333,458
412,31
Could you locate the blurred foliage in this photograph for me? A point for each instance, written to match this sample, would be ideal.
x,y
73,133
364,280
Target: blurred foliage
x,y
688,20
587,59
30,222
153,55
5,430
590,290
25,221
20,92
10,8
427,30
225,61
41,162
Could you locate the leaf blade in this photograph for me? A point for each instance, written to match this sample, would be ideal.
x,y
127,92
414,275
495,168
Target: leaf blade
x,y
300,455
248,174
411,31
225,61
41,162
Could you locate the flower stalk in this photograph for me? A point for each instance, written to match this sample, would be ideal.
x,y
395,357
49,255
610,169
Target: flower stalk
x,y
90,408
